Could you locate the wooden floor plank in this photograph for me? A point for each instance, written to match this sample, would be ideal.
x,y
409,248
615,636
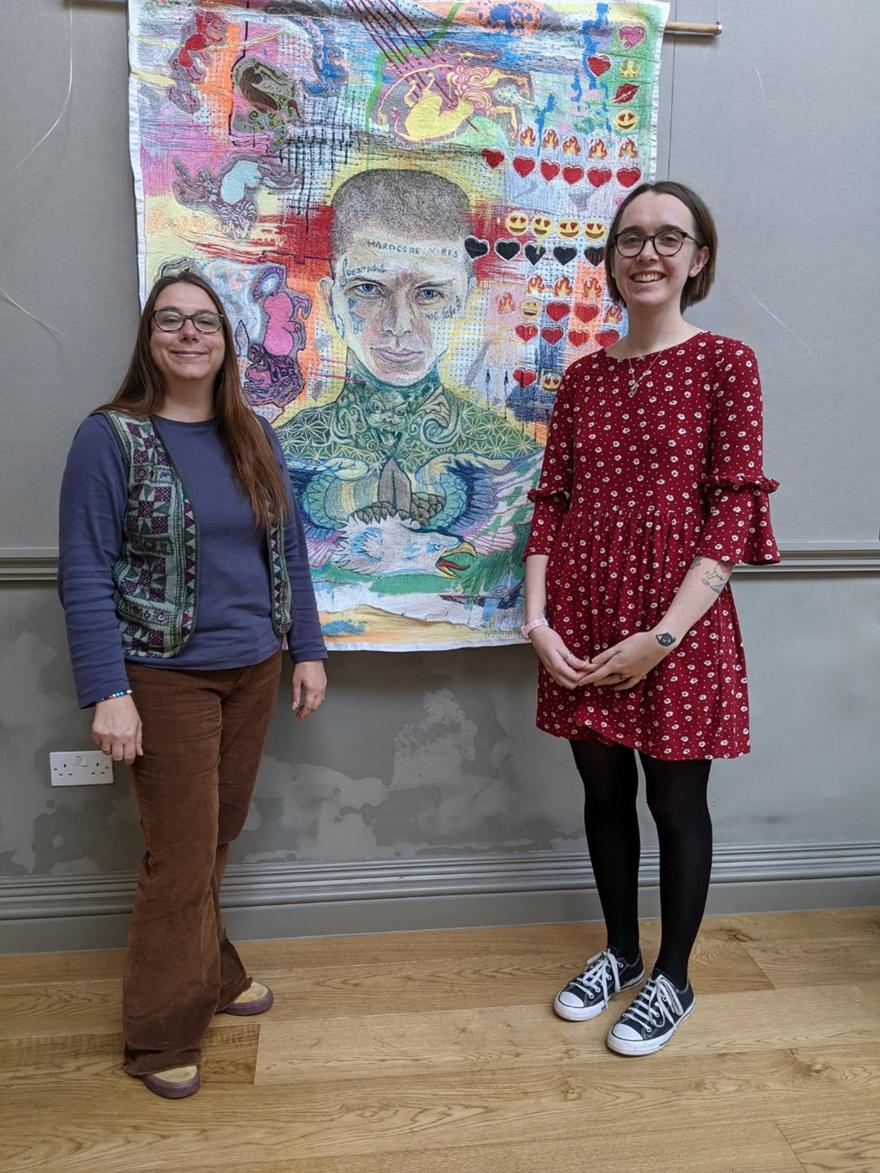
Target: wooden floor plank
x,y
761,1149
816,961
396,1045
39,1062
96,965
848,1143
855,923
55,1008
232,1127
481,980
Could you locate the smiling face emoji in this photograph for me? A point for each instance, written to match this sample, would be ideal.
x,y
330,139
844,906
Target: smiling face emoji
x,y
625,120
516,223
568,228
531,308
594,229
541,225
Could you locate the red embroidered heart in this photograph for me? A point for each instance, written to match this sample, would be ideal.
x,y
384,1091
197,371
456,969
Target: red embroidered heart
x,y
493,158
549,169
572,174
598,64
627,176
607,337
625,93
552,334
556,310
523,377
586,313
631,34
523,166
578,337
527,333
598,175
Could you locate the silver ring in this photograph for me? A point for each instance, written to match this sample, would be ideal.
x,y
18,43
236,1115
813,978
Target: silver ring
x,y
106,749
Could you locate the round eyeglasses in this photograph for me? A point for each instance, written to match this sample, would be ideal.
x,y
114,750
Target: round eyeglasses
x,y
205,321
667,242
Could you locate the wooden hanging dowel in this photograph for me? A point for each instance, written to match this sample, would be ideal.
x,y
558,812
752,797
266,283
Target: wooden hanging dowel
x,y
695,30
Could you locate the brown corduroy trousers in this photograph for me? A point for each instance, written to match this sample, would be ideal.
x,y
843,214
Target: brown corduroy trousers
x,y
203,734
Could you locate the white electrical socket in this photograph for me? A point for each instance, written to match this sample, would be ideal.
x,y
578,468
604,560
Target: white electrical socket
x,y
80,768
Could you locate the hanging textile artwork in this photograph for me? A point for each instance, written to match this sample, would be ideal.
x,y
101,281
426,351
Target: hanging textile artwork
x,y
404,208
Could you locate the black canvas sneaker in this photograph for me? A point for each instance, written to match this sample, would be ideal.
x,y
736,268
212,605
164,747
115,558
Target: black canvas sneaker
x,y
651,1020
604,975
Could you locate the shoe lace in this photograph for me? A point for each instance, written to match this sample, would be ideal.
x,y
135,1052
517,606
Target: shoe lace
x,y
600,973
657,1003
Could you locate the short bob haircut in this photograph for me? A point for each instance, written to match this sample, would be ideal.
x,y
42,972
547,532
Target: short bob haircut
x,y
695,288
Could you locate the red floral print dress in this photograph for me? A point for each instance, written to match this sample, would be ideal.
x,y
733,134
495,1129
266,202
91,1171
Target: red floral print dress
x,y
634,486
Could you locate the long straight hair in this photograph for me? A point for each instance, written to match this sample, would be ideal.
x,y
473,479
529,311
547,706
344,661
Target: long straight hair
x,y
253,462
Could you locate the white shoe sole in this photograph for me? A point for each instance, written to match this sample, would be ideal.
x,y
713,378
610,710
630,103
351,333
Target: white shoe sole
x,y
576,1014
635,1048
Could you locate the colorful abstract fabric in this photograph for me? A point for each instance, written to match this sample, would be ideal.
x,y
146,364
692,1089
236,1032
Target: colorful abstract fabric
x,y
405,208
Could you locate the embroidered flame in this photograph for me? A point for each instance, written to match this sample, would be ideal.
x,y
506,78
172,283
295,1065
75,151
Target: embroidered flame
x,y
562,288
505,303
592,288
527,137
535,285
550,139
597,150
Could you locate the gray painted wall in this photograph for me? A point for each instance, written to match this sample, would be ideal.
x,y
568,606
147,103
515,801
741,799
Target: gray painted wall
x,y
422,794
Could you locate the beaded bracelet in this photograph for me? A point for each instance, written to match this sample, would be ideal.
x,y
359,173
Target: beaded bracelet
x,y
112,696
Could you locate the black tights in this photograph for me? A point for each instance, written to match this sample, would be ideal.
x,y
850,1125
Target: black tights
x,y
677,799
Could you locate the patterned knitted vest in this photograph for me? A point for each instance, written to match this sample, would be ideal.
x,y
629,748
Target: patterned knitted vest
x,y
157,574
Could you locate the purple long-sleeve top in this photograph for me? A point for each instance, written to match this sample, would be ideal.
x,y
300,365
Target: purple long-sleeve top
x,y
234,615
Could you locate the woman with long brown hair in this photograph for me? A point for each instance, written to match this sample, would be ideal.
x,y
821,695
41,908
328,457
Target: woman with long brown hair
x,y
183,570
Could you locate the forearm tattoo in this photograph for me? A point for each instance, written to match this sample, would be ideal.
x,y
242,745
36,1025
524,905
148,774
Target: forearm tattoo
x,y
715,577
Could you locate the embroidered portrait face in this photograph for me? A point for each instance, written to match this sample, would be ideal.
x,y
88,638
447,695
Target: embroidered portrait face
x,y
400,271
395,302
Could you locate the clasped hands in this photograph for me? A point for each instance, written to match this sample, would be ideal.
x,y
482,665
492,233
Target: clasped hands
x,y
619,668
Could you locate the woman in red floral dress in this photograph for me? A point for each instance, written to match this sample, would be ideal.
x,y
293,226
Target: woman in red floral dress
x,y
652,490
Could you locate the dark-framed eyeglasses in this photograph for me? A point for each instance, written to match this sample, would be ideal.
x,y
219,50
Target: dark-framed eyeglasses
x,y
205,321
667,242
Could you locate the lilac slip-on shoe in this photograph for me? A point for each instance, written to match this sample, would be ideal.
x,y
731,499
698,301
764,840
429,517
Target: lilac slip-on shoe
x,y
254,1006
172,1089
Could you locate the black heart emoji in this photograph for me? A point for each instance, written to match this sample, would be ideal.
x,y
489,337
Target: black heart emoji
x,y
474,247
507,248
564,255
534,252
594,255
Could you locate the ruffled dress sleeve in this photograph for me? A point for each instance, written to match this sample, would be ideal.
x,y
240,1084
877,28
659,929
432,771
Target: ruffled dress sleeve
x,y
553,493
736,491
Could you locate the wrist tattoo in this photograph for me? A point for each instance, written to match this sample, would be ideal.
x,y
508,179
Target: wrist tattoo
x,y
665,639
